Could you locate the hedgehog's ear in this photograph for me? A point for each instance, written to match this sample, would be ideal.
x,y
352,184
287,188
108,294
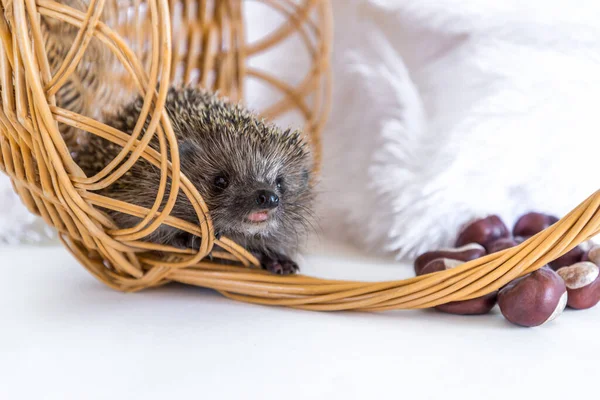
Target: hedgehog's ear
x,y
187,149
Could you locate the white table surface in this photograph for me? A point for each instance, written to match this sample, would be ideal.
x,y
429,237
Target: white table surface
x,y
63,335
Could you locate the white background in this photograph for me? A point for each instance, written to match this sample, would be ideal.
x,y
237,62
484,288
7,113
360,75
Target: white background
x,y
63,335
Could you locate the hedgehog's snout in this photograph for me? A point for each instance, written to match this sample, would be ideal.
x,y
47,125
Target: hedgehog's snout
x,y
266,200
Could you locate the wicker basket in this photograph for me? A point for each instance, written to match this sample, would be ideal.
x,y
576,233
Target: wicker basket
x,y
202,40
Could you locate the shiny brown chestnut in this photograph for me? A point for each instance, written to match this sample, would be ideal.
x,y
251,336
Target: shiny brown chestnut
x,y
573,256
467,252
476,306
439,264
502,244
533,223
583,284
483,231
534,299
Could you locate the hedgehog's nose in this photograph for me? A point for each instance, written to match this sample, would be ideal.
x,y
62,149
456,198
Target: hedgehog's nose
x,y
266,199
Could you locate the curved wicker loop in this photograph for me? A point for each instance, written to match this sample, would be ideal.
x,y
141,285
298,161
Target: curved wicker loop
x,y
154,43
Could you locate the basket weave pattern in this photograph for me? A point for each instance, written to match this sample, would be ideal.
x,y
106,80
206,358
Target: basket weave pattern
x,y
201,42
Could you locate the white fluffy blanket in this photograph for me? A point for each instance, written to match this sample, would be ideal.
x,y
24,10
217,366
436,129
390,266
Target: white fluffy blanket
x,y
444,110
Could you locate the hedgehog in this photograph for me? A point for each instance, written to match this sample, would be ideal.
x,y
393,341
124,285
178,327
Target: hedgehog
x,y
254,177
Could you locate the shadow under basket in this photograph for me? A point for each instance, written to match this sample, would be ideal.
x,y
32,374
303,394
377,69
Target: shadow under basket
x,y
201,42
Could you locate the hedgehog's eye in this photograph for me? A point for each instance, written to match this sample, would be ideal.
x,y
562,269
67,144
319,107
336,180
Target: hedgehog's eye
x,y
221,182
279,184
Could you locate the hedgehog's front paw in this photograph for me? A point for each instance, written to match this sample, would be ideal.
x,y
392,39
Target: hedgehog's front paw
x,y
279,264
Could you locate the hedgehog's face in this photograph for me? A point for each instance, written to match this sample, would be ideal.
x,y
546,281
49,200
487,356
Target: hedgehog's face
x,y
258,189
252,204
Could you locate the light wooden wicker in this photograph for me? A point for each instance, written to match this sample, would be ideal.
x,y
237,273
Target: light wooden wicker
x,y
202,40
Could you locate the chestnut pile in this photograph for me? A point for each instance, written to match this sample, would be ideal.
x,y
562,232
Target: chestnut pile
x,y
572,280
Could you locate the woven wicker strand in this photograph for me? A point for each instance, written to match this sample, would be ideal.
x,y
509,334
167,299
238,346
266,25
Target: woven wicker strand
x,y
202,42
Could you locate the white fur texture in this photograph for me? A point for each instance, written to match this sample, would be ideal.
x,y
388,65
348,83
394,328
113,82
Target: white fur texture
x,y
17,224
447,110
